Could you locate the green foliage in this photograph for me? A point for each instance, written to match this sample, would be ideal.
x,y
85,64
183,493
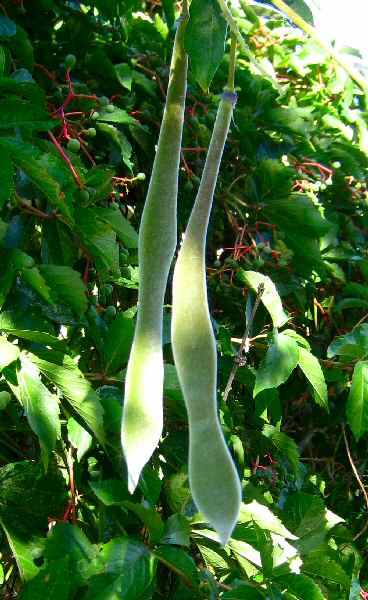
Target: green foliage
x,y
290,211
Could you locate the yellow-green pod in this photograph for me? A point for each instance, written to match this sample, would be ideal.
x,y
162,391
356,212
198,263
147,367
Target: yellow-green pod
x,y
142,414
213,478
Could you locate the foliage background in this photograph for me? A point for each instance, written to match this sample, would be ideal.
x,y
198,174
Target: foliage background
x,y
290,204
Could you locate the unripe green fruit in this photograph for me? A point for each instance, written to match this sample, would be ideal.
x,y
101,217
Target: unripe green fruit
x,y
91,132
322,187
336,164
84,196
70,61
141,176
95,115
110,108
217,264
73,145
110,312
104,101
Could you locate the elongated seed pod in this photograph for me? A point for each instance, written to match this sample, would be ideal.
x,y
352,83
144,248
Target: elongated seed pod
x,y
142,415
212,475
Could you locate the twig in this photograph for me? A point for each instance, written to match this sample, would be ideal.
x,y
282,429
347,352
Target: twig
x,y
240,359
65,157
309,30
357,477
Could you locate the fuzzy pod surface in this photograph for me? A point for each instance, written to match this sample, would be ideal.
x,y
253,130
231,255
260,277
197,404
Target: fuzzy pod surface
x,y
143,411
213,478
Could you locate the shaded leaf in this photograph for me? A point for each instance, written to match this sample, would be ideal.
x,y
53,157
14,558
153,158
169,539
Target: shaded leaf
x,y
64,373
281,359
67,285
205,40
270,297
357,404
311,368
118,342
40,406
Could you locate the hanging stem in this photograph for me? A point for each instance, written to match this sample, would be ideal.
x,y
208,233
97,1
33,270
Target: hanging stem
x,y
232,64
309,30
227,14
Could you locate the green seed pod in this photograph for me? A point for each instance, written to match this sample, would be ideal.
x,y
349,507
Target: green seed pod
x,y
143,412
212,475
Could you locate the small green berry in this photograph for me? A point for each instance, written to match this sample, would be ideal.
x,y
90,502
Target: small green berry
x,y
104,101
70,61
95,115
73,145
336,164
84,196
110,108
91,132
141,176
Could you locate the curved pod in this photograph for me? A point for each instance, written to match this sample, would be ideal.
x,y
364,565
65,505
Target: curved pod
x,y
213,478
142,413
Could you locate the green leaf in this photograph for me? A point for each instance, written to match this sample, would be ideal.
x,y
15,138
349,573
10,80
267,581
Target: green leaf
x,y
79,438
28,497
150,517
305,513
124,75
24,157
180,562
120,140
99,238
67,284
40,406
51,583
352,346
284,444
33,277
321,564
8,352
100,179
122,227
118,115
264,518
177,531
118,342
128,571
15,112
64,373
111,492
281,359
301,587
205,40
270,297
357,404
14,323
311,368
6,178
243,591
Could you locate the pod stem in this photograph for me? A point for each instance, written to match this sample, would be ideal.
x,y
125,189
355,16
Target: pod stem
x,y
232,64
